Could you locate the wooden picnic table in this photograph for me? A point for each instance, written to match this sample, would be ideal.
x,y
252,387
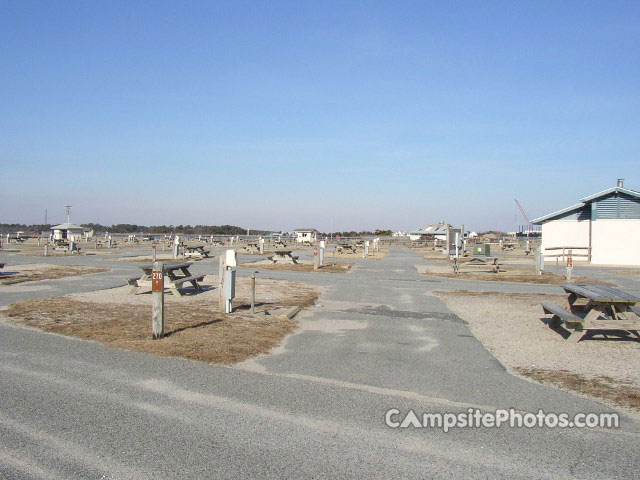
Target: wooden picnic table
x,y
593,308
174,282
346,246
196,250
488,262
283,256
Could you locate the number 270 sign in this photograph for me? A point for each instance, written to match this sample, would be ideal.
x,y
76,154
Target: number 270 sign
x,y
157,281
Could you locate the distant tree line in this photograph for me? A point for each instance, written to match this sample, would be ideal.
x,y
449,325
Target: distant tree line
x,y
133,228
363,233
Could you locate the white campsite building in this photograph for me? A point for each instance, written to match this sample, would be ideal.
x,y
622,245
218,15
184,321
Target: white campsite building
x,y
67,231
436,231
305,235
604,226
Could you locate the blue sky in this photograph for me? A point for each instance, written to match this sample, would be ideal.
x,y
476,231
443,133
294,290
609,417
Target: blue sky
x,y
346,114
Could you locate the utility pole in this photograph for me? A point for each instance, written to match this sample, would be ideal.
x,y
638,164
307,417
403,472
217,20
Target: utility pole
x,y
68,207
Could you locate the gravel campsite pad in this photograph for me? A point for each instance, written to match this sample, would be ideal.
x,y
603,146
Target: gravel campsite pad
x,y
194,328
511,327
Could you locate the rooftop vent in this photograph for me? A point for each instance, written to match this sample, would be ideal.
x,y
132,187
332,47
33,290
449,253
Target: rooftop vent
x,y
621,183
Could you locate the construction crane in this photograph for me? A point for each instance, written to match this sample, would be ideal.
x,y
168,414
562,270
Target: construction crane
x,y
523,212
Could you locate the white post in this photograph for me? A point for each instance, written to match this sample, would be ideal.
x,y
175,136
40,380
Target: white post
x,y
322,245
569,265
539,261
46,249
261,243
157,309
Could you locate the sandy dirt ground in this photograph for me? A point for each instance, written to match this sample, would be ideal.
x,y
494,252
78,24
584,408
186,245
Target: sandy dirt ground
x,y
194,328
42,271
512,327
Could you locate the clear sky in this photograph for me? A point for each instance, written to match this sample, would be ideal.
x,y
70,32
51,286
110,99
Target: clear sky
x,y
274,114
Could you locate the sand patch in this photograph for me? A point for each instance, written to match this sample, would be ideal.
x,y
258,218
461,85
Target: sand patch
x,y
511,327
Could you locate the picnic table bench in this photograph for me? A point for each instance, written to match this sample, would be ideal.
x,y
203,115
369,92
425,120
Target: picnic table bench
x,y
173,281
196,251
489,262
283,257
595,308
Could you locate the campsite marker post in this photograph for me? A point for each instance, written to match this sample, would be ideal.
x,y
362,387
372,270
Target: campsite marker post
x,y
157,291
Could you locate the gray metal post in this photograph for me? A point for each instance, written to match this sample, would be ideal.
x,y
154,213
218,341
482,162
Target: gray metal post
x,y
253,292
46,249
154,252
315,258
222,267
157,309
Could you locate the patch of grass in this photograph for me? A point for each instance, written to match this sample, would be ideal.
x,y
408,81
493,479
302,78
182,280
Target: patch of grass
x,y
336,267
531,298
600,387
51,273
516,276
195,330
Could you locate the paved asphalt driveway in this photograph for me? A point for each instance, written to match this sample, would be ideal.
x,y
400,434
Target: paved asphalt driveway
x,y
315,408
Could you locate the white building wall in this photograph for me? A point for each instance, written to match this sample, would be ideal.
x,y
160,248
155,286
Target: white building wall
x,y
564,233
615,242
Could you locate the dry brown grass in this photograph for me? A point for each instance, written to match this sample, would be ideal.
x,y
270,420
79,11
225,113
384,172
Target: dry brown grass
x,y
630,272
602,387
51,273
515,275
336,267
194,330
533,299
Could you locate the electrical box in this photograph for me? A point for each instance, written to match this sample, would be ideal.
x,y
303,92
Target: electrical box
x,y
230,284
230,258
482,250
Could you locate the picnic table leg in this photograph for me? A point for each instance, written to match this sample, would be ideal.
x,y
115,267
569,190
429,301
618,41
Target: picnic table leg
x,y
135,290
576,336
594,311
186,272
